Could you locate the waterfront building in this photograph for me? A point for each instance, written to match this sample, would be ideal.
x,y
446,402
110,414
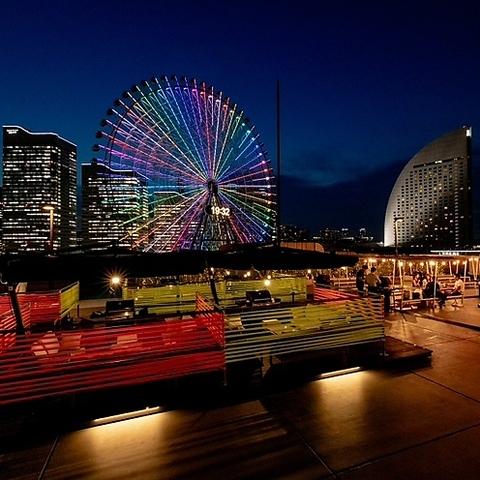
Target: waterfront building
x,y
430,205
39,190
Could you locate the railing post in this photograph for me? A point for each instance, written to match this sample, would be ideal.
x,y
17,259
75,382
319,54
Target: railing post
x,y
213,288
17,312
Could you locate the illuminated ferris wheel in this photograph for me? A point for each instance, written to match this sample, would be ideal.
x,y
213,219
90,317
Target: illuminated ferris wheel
x,y
185,168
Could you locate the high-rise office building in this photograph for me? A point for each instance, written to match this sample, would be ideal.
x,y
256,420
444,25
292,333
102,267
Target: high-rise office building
x,y
114,206
2,248
430,205
39,170
166,227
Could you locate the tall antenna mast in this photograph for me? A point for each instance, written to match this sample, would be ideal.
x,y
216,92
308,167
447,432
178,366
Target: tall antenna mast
x,y
278,161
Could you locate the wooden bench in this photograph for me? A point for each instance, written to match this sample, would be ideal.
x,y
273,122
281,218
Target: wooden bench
x,y
402,304
305,317
313,327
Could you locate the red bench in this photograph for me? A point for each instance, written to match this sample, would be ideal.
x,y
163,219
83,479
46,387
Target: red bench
x,y
62,362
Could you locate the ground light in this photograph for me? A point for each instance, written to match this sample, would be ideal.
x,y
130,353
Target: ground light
x,y
337,373
125,416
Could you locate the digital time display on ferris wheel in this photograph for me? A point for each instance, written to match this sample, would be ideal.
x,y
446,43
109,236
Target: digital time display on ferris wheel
x,y
218,211
221,211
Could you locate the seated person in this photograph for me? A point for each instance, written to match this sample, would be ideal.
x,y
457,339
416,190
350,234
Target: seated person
x,y
373,281
458,288
432,289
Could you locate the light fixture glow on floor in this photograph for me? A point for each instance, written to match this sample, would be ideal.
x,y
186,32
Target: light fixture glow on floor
x,y
125,416
337,373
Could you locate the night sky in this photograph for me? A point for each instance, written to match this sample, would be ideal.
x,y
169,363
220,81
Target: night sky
x,y
364,84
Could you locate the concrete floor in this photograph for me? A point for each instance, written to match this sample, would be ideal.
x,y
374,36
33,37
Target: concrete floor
x,y
395,424
467,314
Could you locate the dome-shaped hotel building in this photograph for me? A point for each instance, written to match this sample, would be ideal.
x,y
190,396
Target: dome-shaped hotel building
x,y
430,204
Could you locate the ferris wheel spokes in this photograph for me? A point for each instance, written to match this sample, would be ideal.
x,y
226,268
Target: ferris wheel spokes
x,y
205,176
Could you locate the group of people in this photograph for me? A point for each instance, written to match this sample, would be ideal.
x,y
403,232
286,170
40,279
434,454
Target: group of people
x,y
370,281
430,287
426,285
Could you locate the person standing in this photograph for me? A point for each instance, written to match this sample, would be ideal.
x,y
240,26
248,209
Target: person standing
x,y
373,281
310,287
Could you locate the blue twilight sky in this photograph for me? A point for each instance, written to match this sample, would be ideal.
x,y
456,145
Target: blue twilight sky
x,y
365,84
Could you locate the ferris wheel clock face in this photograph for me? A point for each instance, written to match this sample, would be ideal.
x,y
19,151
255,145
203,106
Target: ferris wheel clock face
x,y
186,169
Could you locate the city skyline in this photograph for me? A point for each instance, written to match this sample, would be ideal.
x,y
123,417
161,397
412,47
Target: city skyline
x,y
352,106
101,188
106,199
